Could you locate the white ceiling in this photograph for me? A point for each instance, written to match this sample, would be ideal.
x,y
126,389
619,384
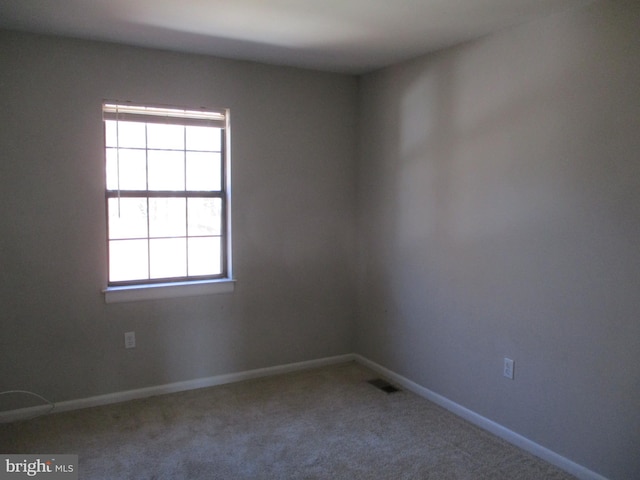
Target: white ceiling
x,y
351,36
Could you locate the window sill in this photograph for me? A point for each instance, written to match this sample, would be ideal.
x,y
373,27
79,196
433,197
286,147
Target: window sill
x,y
133,293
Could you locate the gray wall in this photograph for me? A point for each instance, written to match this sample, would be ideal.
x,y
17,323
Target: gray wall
x,y
499,215
293,146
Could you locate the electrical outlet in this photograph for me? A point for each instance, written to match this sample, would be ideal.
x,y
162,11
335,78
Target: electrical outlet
x,y
508,368
129,339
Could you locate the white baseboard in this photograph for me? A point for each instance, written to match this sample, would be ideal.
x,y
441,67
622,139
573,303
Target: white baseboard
x,y
516,439
25,413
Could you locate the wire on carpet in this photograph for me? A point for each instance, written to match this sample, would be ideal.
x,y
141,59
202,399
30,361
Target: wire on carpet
x,y
25,392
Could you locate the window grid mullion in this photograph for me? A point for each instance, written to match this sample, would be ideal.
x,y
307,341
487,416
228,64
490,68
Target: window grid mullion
x,y
186,204
223,206
118,162
164,194
146,162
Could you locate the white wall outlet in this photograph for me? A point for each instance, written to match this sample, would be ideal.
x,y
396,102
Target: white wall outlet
x,y
129,339
508,368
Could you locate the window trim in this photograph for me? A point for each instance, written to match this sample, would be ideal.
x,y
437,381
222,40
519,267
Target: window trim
x,y
148,289
155,291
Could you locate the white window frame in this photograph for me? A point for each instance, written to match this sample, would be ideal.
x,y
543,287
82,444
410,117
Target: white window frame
x,y
189,286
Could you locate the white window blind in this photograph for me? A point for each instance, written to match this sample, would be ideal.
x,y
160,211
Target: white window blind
x,y
127,112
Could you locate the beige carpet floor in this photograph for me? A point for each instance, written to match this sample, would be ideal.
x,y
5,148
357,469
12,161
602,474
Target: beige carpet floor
x,y
326,423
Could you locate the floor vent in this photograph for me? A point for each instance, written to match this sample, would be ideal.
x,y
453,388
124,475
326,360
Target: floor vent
x,y
383,385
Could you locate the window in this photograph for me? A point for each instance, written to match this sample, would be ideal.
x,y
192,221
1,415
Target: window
x,y
166,194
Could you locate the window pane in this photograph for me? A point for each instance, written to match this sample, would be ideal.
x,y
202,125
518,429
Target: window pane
x,y
127,218
165,136
110,136
166,170
133,169
205,216
204,139
203,171
112,169
125,134
205,256
168,257
128,260
167,217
